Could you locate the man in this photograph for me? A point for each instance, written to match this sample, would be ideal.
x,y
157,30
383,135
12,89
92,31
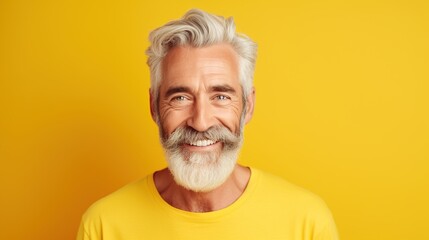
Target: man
x,y
202,95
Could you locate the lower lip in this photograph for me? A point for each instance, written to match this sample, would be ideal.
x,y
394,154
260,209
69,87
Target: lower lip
x,y
212,147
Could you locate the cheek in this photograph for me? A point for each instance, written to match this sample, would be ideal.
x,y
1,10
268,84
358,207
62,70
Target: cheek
x,y
171,119
231,116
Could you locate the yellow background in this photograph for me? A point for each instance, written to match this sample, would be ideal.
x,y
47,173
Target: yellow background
x,y
342,107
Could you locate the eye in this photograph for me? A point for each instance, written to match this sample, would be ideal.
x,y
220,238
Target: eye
x,y
222,97
179,98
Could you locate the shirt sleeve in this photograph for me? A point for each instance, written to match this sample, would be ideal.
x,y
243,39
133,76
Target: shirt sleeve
x,y
90,228
329,230
81,233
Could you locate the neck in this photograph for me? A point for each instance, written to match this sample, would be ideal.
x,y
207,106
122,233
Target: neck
x,y
191,201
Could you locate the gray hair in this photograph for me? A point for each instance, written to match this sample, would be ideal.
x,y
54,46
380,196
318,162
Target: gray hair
x,y
199,29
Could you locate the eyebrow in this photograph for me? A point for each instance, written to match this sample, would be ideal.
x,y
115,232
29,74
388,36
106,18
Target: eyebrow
x,y
217,88
178,89
222,88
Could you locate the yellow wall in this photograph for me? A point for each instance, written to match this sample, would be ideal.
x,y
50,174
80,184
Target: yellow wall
x,y
342,107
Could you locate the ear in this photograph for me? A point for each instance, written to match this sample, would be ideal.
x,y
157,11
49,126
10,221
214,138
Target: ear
x,y
250,106
153,110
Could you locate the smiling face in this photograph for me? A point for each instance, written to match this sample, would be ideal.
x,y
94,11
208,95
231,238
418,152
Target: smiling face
x,y
200,112
200,89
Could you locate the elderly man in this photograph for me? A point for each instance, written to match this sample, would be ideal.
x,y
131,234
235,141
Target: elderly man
x,y
202,95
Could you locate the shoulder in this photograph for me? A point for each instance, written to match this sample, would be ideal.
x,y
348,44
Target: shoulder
x,y
288,198
121,201
273,185
101,217
298,209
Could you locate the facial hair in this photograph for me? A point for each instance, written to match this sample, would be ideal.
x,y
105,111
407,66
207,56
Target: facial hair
x,y
202,171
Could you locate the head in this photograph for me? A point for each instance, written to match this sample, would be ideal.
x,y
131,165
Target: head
x,y
201,95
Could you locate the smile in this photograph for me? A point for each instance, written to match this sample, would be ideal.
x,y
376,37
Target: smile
x,y
202,143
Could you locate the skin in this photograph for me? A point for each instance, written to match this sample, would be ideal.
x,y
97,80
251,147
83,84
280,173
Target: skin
x,y
201,89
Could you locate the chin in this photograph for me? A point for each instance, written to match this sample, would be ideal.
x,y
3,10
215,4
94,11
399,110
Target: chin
x,y
202,172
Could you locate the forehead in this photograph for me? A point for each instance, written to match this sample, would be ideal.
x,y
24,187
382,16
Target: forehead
x,y
185,63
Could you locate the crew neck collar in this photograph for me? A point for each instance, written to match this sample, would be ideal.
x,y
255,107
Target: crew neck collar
x,y
209,216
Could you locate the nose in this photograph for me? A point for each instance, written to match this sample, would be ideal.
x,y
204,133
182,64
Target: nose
x,y
201,117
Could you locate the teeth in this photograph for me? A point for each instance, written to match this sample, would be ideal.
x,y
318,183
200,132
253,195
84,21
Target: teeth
x,y
202,143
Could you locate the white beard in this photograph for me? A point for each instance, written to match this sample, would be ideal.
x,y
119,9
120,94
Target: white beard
x,y
202,172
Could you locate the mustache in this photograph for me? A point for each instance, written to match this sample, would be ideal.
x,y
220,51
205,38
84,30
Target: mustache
x,y
186,135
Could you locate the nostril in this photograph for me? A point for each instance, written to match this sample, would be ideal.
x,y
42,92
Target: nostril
x,y
199,124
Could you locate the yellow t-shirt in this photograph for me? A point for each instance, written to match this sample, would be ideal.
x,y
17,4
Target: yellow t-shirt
x,y
269,208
